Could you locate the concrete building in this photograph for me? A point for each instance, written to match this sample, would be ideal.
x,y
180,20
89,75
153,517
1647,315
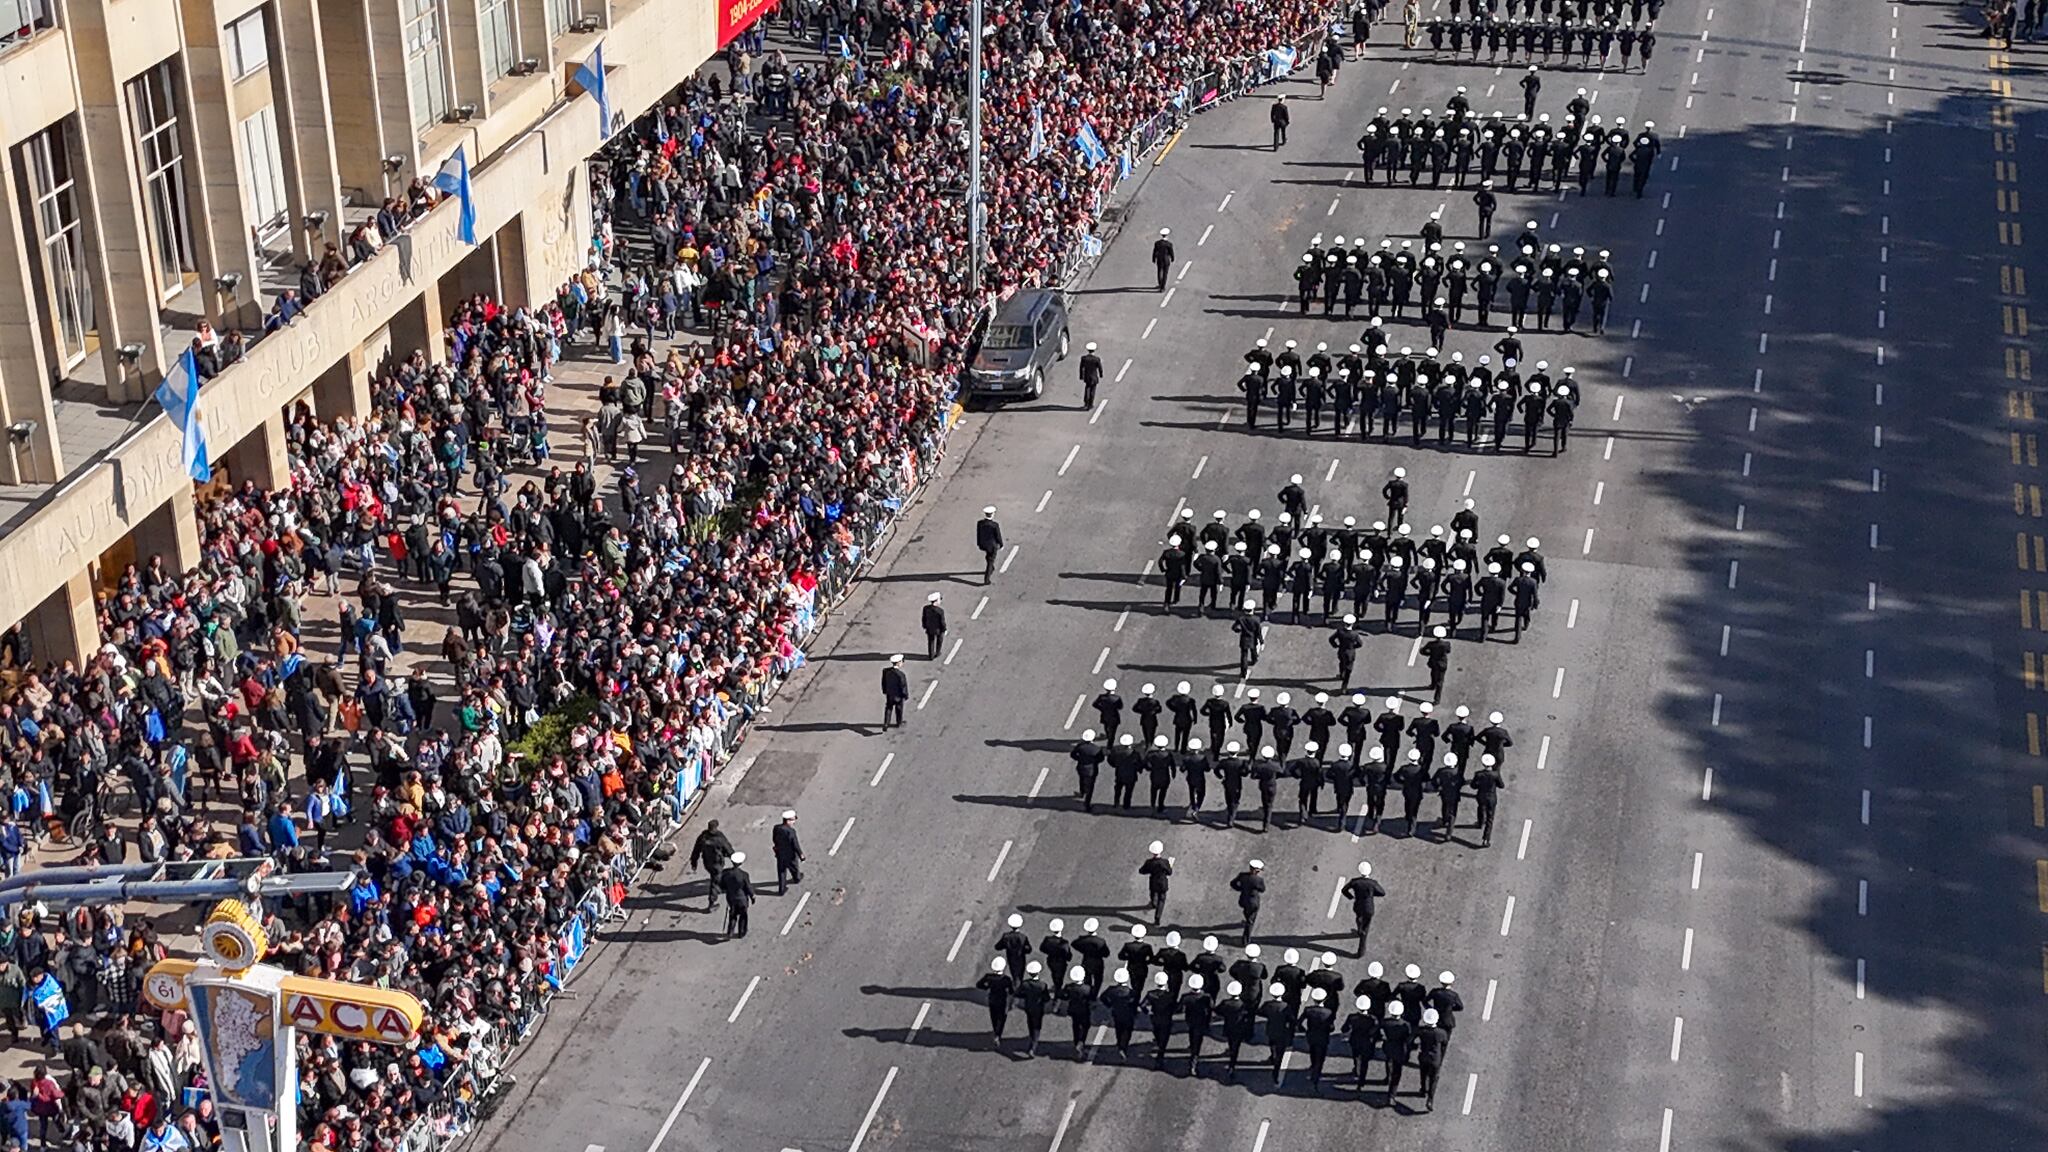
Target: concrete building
x,y
172,164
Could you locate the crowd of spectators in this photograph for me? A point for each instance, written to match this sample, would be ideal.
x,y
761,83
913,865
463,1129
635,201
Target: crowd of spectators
x,y
603,640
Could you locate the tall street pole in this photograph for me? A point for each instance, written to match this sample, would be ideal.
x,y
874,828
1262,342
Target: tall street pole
x,y
974,202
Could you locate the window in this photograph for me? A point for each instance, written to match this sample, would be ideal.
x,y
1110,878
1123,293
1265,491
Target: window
x,y
247,44
561,14
263,170
425,75
67,286
161,158
22,19
500,40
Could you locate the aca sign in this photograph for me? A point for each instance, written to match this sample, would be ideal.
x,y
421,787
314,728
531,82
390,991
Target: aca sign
x,y
347,1017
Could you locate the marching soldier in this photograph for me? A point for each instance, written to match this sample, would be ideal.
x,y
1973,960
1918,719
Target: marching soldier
x,y
1110,708
1094,953
895,690
1160,1007
1195,1008
1319,1021
1231,768
1035,995
988,536
1156,870
1195,768
934,626
1136,955
1077,998
999,986
1122,1002
1147,709
1091,375
1087,756
1162,256
1238,1019
1250,886
1362,1032
1437,651
1364,892
1125,764
1279,1017
1430,1040
1486,788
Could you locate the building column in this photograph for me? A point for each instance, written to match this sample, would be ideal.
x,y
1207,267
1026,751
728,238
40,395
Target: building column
x,y
531,19
464,36
66,626
261,456
356,98
385,49
171,531
217,167
24,363
298,80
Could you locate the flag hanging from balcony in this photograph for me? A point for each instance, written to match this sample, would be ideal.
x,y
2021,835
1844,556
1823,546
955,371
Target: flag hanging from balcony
x,y
179,395
453,180
590,74
1037,134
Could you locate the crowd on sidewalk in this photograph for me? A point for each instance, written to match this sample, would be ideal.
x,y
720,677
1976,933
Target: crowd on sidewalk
x,y
615,635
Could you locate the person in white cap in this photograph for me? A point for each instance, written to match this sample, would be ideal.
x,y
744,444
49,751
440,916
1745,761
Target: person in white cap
x,y
1526,595
1122,1001
1397,1041
1362,1032
1126,761
1250,636
934,621
1318,1023
1162,256
1437,652
1210,966
739,896
1250,886
1000,986
1136,956
789,853
1157,869
895,690
1280,1019
1266,771
1364,892
1294,498
1173,567
1147,709
1487,786
1035,996
1182,707
1054,947
1430,1040
1109,708
1093,952
1087,756
988,536
1446,1003
1013,943
1091,375
1197,1006
1077,1003
1395,493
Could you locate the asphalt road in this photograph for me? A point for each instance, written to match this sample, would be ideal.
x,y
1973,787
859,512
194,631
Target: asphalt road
x,y
1765,875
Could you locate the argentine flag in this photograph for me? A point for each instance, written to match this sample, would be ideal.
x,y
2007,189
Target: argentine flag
x,y
1124,166
1280,61
1037,134
590,74
453,180
1090,145
179,395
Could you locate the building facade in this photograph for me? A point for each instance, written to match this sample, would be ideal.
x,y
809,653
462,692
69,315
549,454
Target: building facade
x,y
172,164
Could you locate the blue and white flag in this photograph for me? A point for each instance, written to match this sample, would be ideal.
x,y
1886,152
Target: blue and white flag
x,y
179,394
1091,245
453,180
1279,62
1090,145
590,74
1124,165
1037,134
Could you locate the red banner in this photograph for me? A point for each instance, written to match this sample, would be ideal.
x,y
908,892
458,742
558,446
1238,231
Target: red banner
x,y
736,16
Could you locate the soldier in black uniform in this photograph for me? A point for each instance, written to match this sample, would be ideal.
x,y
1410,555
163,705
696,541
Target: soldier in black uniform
x,y
1280,118
1077,1001
1250,886
1238,1020
1195,1009
1162,256
1364,892
934,626
895,690
1157,871
1087,756
1319,1021
1034,995
1486,788
1437,651
1160,1006
1195,767
1279,1017
1091,375
988,536
1160,765
1094,953
1531,85
999,985
1122,1002
1231,768
1396,1039
1430,1040
1362,1032
1125,764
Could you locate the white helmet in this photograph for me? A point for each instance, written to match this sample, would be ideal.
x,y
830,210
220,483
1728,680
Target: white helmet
x,y
1156,847
1365,867
1413,971
998,964
1056,926
1016,920
1109,685
1138,931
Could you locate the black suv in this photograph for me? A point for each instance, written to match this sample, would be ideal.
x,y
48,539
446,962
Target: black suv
x,y
1027,335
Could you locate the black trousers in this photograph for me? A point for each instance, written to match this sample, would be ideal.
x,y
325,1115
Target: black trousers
x,y
787,872
735,919
892,712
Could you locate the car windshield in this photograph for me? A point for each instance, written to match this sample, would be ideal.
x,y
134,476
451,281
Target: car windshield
x,y
1008,336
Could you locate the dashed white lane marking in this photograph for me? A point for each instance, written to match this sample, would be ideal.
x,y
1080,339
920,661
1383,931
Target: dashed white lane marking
x,y
955,651
917,1025
1859,977
1741,510
1557,685
1205,236
1486,1012
689,1090
1716,720
1168,298
841,838
1617,407
1571,616
1866,808
1331,474
1121,618
1866,731
1607,453
1185,269
1685,953
1336,895
886,761
1067,1117
1043,501
733,1016
959,939
1863,897
869,1121
1226,200
1734,566
1677,1036
1707,785
1599,490
1869,663
978,606
1664,1138
1873,536
1746,456
1699,864
930,687
1628,367
1334,201
1000,857
1872,602
1471,1089
1101,660
1036,785
1069,461
1120,372
1259,1141
1726,631
1199,465
1469,478
1587,549
1522,852
1542,753
794,913
1149,325
1859,1075
1075,711
1507,916
1009,557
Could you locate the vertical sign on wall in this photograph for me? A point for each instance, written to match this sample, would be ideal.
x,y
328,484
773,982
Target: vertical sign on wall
x,y
736,16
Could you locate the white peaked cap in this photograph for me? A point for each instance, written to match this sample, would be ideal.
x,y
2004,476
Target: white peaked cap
x,y
1394,1008
1375,970
1446,978
1090,924
1181,687
1494,718
1077,973
1428,1016
1194,981
1033,968
1159,979
1016,920
1123,976
1209,943
1365,867
1138,931
1364,1003
1109,685
739,857
789,813
1056,925
1087,733
1252,950
1146,690
1317,995
1233,989
1156,847
1413,971
998,964
1173,939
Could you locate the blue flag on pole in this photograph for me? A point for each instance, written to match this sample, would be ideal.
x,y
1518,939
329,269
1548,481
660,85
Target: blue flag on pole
x,y
1124,166
1037,134
1090,145
590,74
179,394
453,180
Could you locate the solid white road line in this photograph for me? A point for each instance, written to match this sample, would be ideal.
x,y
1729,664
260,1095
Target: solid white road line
x,y
794,913
1075,711
1486,1012
734,1015
1685,953
689,1090
930,686
1507,916
869,1122
1067,1117
1471,1088
957,642
959,939
1000,857
886,761
841,838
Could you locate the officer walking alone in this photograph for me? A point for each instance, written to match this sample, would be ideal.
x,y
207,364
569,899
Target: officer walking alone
x,y
789,853
1250,886
1091,375
934,626
1162,256
739,896
895,690
988,536
1280,116
1156,870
